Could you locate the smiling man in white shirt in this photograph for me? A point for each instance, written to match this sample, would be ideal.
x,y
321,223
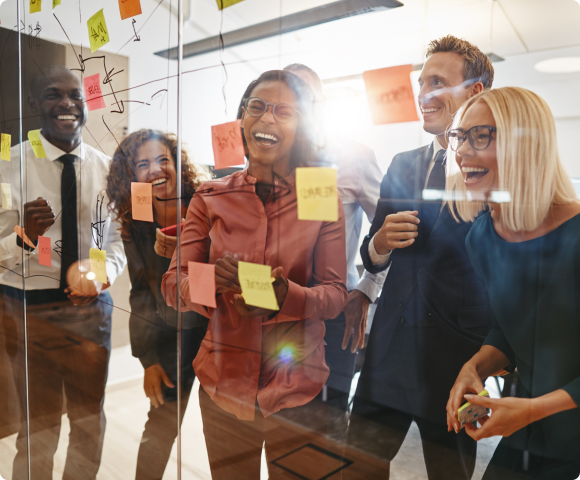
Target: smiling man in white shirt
x,y
68,331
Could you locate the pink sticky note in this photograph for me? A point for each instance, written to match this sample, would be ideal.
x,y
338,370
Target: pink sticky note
x,y
228,147
141,201
202,283
93,93
20,232
44,251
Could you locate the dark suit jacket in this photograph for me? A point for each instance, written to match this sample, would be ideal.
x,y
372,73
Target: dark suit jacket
x,y
433,313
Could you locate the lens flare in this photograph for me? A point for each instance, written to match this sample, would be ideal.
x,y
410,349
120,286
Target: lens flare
x,y
286,354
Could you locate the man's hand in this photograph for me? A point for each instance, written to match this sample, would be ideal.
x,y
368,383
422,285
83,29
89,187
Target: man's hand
x,y
154,375
280,290
399,230
226,275
164,244
356,313
82,290
38,216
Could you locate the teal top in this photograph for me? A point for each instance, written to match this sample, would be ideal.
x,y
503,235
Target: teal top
x,y
534,289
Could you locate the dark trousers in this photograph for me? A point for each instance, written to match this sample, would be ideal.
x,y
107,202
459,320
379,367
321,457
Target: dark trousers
x,y
508,464
234,446
68,355
161,427
380,431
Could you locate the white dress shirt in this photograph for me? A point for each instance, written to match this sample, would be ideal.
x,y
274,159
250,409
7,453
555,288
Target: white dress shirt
x,y
375,256
359,180
42,178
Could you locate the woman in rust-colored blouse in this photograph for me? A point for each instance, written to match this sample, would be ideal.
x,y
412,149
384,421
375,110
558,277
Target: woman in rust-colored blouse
x,y
255,362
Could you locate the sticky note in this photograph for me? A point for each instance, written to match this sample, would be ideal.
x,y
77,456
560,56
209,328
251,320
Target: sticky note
x,y
256,283
44,249
228,147
98,261
5,142
35,6
390,95
129,8
317,194
141,201
226,3
20,232
6,196
202,283
93,94
98,33
36,143
55,3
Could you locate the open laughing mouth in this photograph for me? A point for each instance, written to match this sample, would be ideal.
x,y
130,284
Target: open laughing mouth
x,y
474,174
159,181
67,118
266,139
428,111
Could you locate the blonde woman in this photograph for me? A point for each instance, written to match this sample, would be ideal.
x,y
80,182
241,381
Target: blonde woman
x,y
526,250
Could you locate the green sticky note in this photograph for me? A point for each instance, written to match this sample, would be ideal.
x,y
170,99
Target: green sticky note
x,y
226,3
55,3
36,143
35,6
98,33
256,283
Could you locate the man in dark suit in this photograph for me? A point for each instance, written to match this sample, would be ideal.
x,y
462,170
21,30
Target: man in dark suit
x,y
433,313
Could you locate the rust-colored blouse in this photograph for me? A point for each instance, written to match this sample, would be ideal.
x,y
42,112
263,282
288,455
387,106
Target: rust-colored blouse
x,y
279,361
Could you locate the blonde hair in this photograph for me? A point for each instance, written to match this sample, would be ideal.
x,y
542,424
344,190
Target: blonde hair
x,y
528,161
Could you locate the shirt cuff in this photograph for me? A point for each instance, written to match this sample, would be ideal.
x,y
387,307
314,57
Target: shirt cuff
x,y
377,259
293,306
371,284
149,358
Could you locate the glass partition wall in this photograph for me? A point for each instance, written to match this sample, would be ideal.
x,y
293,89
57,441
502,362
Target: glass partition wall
x,y
246,239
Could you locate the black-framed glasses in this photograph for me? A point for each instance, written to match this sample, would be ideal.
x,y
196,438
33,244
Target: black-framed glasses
x,y
479,137
256,107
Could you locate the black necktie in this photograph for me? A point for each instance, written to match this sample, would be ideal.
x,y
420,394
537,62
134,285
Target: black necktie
x,y
431,209
68,195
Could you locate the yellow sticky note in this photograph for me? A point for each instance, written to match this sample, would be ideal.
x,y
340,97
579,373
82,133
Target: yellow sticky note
x,y
317,194
35,6
98,33
226,3
256,283
5,142
6,196
98,259
36,143
55,3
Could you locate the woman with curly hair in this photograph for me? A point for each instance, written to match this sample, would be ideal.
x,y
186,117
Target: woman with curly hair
x,y
148,156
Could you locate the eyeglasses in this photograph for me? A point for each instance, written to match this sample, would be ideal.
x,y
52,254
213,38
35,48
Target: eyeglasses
x,y
479,137
283,113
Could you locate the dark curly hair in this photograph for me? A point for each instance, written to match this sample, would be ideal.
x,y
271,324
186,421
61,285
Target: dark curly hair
x,y
303,151
121,174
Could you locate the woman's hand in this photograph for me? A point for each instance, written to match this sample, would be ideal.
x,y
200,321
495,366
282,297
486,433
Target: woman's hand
x,y
467,381
280,290
164,244
154,375
226,275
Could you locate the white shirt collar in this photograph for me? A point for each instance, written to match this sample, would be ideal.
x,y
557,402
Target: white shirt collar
x,y
436,147
54,153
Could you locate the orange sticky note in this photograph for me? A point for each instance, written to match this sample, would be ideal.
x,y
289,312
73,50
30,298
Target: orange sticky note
x,y
141,201
20,232
129,8
202,283
44,251
390,95
93,93
228,147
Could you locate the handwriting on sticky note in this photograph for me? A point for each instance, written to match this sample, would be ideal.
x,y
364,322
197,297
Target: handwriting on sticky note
x,y
98,33
6,196
256,283
44,250
141,201
35,6
228,147
93,93
98,259
226,3
36,143
317,194
129,8
55,3
20,232
202,283
5,142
